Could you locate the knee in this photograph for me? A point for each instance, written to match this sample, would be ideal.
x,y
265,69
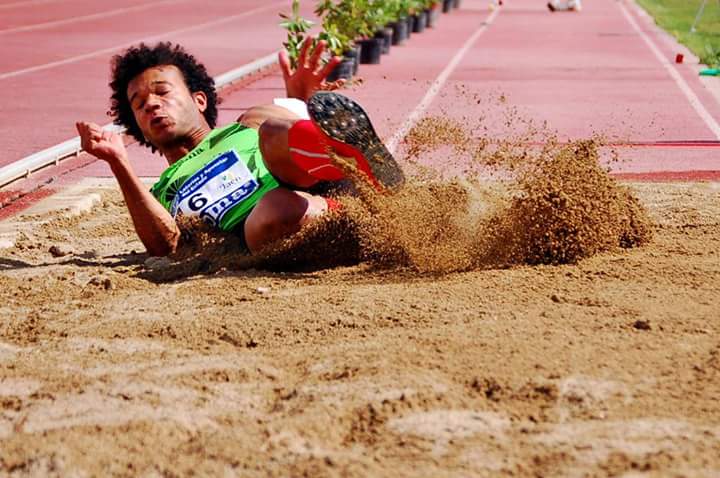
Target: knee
x,y
278,214
273,137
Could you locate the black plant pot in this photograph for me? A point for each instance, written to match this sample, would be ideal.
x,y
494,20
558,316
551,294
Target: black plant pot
x,y
386,36
400,32
456,3
343,71
419,21
432,15
410,22
370,51
349,65
447,5
357,59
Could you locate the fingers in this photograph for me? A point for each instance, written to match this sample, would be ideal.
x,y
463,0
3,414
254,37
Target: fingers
x,y
86,129
302,59
315,59
91,134
284,61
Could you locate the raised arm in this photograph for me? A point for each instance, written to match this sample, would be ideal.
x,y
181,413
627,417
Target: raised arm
x,y
310,74
154,225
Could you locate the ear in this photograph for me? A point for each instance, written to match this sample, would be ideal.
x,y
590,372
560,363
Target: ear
x,y
200,99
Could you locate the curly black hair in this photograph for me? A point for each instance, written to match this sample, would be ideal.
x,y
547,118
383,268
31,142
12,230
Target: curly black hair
x,y
137,59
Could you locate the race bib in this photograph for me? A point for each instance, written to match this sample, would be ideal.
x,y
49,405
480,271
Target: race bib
x,y
212,191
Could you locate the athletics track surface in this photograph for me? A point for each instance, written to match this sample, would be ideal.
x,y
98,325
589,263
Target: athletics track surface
x,y
607,69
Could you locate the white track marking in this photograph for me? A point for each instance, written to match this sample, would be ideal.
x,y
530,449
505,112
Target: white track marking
x,y
85,56
437,85
94,16
25,4
679,80
54,154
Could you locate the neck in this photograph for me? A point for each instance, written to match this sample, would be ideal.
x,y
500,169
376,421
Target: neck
x,y
176,150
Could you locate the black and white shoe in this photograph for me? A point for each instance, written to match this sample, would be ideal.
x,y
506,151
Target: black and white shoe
x,y
349,132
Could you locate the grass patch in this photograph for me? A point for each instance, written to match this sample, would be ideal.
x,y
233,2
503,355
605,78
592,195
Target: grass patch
x,y
677,16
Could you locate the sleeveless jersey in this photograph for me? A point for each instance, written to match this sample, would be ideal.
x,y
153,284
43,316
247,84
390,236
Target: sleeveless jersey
x,y
220,180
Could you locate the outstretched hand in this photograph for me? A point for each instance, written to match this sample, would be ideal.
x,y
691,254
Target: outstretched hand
x,y
102,144
309,75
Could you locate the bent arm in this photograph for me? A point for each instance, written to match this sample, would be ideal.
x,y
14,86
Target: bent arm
x,y
153,223
310,74
155,226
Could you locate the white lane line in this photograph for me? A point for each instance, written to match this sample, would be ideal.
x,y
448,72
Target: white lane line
x,y
54,154
679,80
93,16
25,4
437,85
162,36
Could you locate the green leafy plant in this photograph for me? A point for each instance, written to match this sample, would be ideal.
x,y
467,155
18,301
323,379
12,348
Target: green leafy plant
x,y
398,9
337,42
376,14
416,6
711,57
297,28
342,23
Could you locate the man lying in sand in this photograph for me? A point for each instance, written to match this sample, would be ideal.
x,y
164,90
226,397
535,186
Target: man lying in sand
x,y
254,177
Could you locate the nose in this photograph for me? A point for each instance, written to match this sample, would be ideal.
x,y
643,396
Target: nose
x,y
152,103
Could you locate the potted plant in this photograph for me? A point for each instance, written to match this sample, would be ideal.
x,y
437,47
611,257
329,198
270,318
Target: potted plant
x,y
347,17
432,11
377,17
340,45
417,10
340,28
297,28
375,40
407,11
398,20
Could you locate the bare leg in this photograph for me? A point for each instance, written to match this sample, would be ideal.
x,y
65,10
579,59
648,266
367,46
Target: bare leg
x,y
273,124
280,213
257,115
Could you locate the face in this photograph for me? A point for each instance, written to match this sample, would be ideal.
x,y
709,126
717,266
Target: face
x,y
164,108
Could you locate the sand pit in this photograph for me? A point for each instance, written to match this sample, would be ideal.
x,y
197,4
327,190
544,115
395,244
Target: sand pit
x,y
115,364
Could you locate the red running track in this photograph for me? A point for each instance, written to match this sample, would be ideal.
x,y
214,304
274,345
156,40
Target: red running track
x,y
55,55
582,73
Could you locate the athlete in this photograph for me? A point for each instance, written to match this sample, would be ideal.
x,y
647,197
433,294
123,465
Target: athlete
x,y
254,177
564,5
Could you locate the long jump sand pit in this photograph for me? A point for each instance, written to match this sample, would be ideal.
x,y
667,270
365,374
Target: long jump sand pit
x,y
575,358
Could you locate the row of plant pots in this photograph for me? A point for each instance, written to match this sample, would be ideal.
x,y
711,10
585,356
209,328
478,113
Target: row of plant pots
x,y
369,51
361,31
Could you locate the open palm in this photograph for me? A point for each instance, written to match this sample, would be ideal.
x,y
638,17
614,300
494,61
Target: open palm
x,y
310,73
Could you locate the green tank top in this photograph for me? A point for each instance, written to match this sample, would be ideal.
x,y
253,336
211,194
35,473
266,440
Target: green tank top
x,y
220,180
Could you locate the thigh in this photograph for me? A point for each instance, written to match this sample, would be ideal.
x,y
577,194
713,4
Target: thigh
x,y
257,115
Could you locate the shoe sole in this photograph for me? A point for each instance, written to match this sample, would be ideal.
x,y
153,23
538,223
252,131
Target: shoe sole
x,y
344,121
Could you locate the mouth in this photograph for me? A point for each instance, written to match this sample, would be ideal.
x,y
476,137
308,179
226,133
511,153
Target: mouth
x,y
159,121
